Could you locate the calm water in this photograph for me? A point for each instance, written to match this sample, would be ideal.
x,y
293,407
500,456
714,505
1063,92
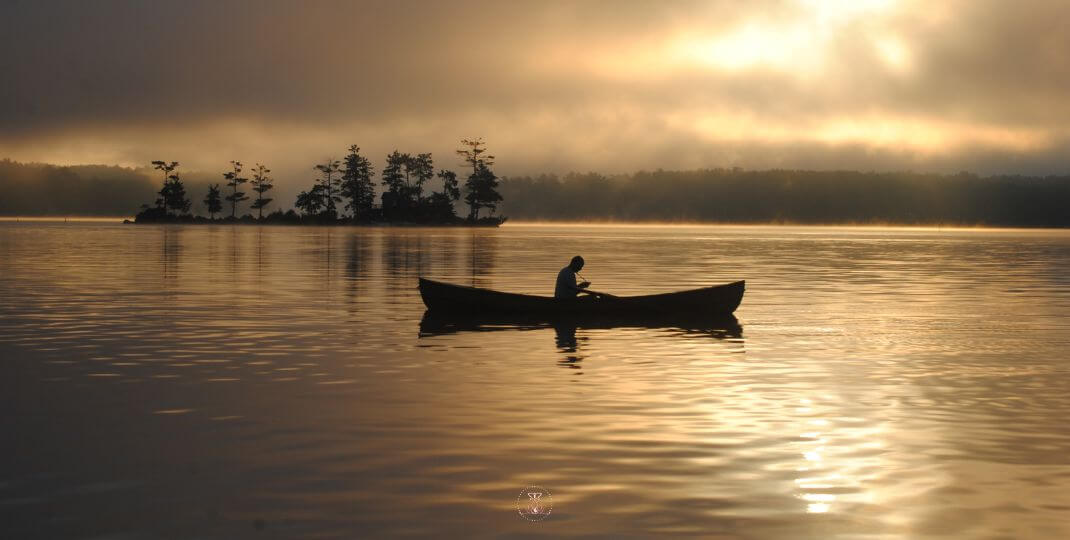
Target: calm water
x,y
243,382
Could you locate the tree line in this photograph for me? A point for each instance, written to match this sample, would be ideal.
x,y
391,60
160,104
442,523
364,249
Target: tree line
x,y
734,195
708,195
344,191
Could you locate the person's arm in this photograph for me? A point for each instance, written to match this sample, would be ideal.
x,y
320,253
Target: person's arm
x,y
582,287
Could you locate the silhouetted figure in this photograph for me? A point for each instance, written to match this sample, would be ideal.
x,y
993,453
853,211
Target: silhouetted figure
x,y
566,280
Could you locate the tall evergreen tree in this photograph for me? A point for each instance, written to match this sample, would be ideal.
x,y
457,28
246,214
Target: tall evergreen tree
x,y
394,181
482,184
482,191
174,196
474,152
418,170
234,180
261,183
173,192
393,175
329,181
213,201
357,184
166,168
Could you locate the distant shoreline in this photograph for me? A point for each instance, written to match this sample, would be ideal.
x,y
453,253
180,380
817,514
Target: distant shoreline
x,y
559,223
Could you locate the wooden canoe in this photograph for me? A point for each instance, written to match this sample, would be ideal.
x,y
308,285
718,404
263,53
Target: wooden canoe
x,y
707,303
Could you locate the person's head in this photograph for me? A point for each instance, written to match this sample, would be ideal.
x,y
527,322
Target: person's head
x,y
577,263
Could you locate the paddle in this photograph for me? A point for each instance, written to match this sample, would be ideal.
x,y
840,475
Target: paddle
x,y
596,293
584,289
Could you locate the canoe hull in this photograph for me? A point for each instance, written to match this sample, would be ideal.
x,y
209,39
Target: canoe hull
x,y
710,302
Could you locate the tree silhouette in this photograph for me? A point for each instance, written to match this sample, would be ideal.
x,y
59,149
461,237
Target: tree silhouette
x,y
394,180
407,196
482,191
173,193
474,154
418,170
166,168
449,185
234,180
310,202
213,201
174,196
261,183
329,181
440,203
393,177
482,184
357,184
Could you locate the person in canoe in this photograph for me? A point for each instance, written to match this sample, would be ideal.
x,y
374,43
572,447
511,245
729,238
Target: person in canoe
x,y
566,282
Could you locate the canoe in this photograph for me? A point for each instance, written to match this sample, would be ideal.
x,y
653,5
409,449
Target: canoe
x,y
707,303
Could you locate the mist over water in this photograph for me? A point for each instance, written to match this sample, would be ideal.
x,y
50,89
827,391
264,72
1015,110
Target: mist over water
x,y
274,382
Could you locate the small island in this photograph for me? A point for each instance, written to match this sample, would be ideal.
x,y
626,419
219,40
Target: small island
x,y
343,193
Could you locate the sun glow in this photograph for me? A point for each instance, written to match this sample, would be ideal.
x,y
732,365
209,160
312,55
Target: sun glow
x,y
753,45
797,45
876,130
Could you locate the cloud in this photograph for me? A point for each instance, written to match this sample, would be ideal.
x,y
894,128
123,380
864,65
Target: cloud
x,y
609,86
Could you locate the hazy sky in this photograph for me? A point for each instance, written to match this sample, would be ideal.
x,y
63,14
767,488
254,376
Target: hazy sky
x,y
611,86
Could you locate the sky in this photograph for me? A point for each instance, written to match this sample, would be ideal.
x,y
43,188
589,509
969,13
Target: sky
x,y
608,86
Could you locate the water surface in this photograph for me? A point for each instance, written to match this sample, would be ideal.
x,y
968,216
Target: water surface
x,y
263,382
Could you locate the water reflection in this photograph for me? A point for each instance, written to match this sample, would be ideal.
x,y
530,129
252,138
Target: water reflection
x,y
566,341
482,251
358,255
268,382
440,324
171,251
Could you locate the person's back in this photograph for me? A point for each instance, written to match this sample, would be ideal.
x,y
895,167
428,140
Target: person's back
x,y
566,280
566,284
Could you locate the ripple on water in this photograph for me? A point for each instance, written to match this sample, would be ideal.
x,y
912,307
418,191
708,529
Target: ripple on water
x,y
241,381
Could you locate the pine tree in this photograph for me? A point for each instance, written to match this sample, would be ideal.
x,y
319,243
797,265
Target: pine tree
x,y
261,183
394,181
234,180
357,184
482,188
482,184
174,196
329,181
166,168
213,201
393,177
418,170
173,192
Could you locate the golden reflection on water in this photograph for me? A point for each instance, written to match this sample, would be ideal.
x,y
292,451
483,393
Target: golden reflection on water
x,y
881,382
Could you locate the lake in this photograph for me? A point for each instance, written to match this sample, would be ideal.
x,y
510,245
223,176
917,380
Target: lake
x,y
275,382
